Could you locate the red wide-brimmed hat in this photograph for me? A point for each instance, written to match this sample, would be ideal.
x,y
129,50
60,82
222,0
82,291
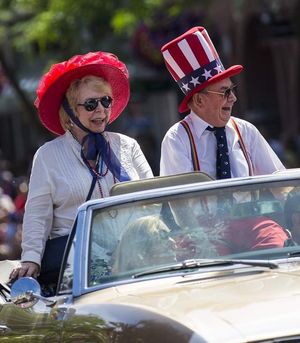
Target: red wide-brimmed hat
x,y
56,81
194,63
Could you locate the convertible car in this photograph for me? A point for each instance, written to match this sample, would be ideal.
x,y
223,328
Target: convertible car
x,y
174,259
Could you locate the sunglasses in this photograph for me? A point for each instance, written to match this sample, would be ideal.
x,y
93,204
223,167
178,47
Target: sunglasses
x,y
226,93
92,103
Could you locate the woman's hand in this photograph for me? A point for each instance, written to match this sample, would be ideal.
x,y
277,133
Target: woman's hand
x,y
26,269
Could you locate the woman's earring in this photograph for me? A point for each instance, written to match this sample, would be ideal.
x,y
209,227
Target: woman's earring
x,y
71,124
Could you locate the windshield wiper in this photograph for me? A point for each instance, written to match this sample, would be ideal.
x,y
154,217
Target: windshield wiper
x,y
199,263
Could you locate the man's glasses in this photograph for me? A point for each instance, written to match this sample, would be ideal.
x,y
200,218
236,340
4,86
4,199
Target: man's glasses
x,y
226,93
92,103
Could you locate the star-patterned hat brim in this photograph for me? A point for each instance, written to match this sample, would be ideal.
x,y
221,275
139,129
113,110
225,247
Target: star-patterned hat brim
x,y
194,63
234,70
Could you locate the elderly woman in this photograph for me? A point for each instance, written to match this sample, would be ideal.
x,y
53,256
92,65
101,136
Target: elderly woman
x,y
76,100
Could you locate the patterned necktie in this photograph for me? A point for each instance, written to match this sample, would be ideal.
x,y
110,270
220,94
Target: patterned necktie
x,y
223,164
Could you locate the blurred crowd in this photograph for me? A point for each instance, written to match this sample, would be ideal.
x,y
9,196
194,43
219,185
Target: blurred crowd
x,y
13,193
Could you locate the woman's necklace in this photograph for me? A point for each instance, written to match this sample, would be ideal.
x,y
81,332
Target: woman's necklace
x,y
100,173
93,169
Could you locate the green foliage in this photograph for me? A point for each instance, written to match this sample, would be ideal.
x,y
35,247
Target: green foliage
x,y
71,24
124,20
75,26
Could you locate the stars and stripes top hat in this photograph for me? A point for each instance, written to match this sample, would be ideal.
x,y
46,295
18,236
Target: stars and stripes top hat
x,y
194,63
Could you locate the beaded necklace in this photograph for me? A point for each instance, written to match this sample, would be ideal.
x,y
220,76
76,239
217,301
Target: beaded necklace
x,y
99,175
93,170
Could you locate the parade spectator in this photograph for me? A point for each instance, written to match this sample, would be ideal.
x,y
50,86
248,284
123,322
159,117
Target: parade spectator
x,y
10,247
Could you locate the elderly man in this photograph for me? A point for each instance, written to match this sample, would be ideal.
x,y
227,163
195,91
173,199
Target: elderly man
x,y
209,138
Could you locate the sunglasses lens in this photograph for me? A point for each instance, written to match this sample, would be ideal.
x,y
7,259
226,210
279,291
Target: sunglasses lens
x,y
91,104
229,91
106,101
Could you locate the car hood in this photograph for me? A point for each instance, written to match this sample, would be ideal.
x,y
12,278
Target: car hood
x,y
243,304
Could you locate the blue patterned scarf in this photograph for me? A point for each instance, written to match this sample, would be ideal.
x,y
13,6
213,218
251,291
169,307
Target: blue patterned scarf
x,y
96,144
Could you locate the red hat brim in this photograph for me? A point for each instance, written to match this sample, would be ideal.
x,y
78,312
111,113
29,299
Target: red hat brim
x,y
50,96
234,70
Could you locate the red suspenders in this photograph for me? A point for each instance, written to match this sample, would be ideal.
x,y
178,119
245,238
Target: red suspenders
x,y
195,159
243,147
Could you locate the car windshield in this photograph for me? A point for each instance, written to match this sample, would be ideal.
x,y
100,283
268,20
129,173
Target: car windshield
x,y
251,221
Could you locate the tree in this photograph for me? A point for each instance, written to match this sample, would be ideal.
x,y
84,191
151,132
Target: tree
x,y
32,29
